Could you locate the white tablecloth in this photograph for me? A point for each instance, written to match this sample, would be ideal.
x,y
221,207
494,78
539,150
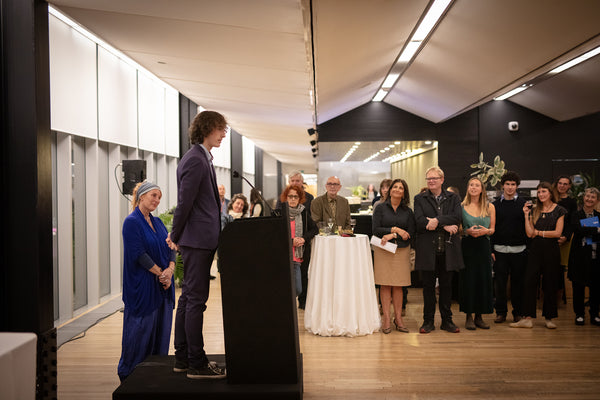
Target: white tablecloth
x,y
341,299
17,365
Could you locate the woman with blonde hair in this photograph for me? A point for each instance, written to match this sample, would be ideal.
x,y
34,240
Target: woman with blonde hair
x,y
475,281
544,224
148,293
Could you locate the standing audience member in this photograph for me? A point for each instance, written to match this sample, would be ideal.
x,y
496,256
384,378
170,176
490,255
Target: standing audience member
x,y
475,283
223,201
509,249
303,230
296,178
238,206
196,229
562,186
371,192
544,226
393,221
384,189
256,205
331,206
584,260
148,293
438,249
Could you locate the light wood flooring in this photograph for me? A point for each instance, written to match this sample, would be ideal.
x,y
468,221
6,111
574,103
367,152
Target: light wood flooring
x,y
500,363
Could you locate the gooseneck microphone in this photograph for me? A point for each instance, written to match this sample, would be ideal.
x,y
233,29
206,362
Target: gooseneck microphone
x,y
273,212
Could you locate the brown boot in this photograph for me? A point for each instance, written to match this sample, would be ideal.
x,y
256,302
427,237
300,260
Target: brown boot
x,y
479,322
469,323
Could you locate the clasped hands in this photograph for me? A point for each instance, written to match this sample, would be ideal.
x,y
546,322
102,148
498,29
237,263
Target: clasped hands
x,y
165,277
432,224
477,231
298,241
398,231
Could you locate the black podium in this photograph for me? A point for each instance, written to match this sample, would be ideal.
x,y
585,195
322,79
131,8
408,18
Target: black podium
x,y
259,302
262,357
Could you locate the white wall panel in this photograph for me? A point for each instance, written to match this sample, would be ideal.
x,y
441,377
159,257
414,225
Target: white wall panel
x,y
64,217
151,114
171,122
222,154
117,100
73,94
172,165
248,155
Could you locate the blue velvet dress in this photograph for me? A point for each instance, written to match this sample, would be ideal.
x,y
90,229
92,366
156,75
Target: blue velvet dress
x,y
148,311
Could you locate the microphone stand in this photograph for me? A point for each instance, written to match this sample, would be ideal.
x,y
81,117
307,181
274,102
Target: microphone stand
x,y
276,213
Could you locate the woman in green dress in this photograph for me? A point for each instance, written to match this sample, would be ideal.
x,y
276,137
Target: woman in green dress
x,y
475,281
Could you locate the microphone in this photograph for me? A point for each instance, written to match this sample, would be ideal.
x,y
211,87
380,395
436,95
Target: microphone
x,y
273,212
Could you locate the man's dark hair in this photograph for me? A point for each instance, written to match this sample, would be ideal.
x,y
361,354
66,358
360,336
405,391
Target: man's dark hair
x,y
510,176
203,124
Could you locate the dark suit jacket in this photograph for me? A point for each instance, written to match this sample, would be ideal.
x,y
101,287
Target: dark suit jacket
x,y
320,211
425,244
196,222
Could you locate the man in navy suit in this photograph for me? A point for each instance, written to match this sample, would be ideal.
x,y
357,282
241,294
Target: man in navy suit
x,y
196,228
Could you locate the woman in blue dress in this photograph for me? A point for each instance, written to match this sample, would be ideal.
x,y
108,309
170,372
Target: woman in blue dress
x,y
148,292
475,281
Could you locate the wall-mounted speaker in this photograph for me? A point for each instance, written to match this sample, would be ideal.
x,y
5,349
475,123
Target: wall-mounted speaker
x,y
134,171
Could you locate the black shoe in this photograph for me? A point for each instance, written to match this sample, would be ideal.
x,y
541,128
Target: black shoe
x,y
180,366
595,321
212,277
209,371
579,320
449,327
427,327
500,319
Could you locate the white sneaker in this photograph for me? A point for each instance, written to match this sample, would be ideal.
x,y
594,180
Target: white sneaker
x,y
523,323
550,324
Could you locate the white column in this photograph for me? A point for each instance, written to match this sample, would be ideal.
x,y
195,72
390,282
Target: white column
x,y
92,221
65,226
115,223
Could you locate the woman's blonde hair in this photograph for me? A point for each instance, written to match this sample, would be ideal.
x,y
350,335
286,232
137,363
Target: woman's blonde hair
x,y
483,200
134,198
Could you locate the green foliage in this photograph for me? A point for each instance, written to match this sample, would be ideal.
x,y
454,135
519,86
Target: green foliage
x,y
358,191
167,219
489,173
581,182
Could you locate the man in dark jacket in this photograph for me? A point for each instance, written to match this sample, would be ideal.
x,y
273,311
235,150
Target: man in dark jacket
x,y
438,249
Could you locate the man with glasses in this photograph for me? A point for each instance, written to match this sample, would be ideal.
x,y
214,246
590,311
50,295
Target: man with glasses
x,y
438,250
330,205
296,178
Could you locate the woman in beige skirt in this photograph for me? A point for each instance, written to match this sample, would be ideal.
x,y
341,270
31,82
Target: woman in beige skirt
x,y
393,221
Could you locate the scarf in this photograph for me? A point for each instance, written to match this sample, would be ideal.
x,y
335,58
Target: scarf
x,y
296,215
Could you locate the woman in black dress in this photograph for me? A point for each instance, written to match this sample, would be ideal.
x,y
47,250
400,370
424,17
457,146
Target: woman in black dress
x,y
544,226
584,260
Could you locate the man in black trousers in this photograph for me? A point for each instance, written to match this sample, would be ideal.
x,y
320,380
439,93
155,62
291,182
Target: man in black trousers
x,y
438,249
509,248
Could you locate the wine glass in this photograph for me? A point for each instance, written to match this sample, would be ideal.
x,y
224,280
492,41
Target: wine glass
x,y
330,225
352,224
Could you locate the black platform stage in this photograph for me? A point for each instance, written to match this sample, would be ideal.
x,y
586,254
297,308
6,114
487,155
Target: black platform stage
x,y
155,379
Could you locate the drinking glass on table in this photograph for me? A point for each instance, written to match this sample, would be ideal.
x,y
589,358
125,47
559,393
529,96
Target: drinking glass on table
x,y
352,224
330,224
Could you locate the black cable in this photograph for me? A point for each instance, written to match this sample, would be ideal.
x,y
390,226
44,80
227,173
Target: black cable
x,y
82,334
117,181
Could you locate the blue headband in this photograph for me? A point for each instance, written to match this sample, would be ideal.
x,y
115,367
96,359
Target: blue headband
x,y
145,187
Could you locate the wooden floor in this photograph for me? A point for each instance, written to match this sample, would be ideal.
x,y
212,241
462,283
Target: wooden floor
x,y
501,363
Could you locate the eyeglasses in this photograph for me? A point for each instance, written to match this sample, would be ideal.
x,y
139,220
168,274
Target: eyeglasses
x,y
434,178
293,196
332,184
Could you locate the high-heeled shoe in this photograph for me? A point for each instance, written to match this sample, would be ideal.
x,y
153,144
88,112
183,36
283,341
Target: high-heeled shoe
x,y
386,330
400,328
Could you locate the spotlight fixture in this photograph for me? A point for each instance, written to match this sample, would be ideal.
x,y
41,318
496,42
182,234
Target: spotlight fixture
x,y
315,155
311,131
313,142
314,149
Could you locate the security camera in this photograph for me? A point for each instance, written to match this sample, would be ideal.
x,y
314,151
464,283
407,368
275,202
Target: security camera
x,y
513,126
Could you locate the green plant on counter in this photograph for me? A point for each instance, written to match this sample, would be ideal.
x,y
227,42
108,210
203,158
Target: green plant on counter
x,y
358,191
489,173
167,219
